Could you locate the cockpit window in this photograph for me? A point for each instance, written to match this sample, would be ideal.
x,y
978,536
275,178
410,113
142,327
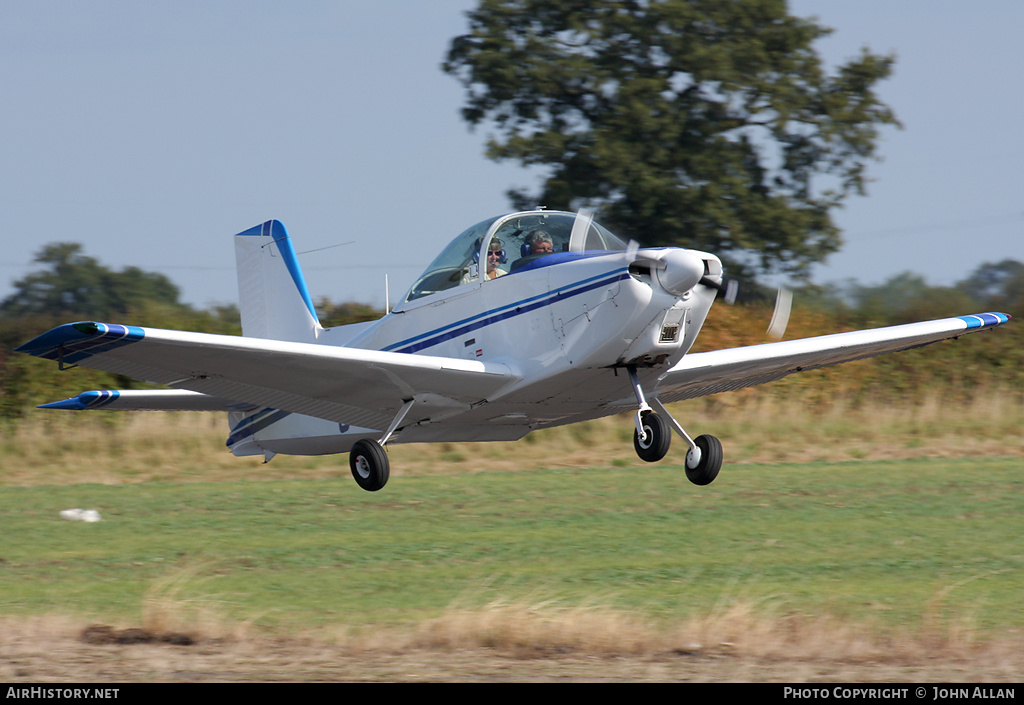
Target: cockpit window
x,y
513,242
450,268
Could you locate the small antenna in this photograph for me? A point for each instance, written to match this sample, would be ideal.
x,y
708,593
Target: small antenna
x,y
318,249
387,298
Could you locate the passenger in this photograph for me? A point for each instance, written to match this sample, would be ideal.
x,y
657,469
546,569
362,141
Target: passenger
x,y
540,243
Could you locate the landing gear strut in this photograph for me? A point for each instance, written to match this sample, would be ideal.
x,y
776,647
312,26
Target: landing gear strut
x,y
652,438
369,461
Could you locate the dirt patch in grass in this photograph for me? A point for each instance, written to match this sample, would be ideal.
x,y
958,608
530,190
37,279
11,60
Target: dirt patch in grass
x,y
485,647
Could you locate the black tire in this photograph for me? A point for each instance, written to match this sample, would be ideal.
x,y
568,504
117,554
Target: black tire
x,y
659,437
711,457
369,465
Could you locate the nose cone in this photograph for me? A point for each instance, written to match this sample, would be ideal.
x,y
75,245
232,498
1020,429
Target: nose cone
x,y
682,270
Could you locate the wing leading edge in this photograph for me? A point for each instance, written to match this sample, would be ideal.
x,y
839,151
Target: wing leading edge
x,y
704,373
346,385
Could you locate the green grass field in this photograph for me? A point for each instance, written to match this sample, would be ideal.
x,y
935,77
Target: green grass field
x,y
901,545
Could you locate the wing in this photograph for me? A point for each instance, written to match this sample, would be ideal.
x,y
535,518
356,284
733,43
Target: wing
x,y
700,374
346,385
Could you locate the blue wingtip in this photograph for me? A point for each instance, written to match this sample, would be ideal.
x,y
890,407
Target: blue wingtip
x,y
73,342
985,320
51,339
72,404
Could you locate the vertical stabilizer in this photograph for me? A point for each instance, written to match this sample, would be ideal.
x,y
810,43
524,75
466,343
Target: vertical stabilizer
x,y
272,295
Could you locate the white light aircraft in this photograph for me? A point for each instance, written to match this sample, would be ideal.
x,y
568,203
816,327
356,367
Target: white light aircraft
x,y
525,321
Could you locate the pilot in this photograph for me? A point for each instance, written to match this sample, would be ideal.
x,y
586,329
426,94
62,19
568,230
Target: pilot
x,y
540,243
495,256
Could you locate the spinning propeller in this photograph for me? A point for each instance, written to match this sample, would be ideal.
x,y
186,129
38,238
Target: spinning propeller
x,y
728,288
783,303
780,316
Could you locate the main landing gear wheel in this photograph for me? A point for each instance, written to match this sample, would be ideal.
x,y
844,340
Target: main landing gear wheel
x,y
657,437
369,463
702,466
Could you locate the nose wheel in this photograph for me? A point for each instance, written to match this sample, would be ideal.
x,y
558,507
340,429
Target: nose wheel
x,y
657,436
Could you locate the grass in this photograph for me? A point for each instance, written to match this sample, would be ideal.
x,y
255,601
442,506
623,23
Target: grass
x,y
755,427
864,541
563,540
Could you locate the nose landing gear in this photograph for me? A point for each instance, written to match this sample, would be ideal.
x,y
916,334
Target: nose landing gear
x,y
652,437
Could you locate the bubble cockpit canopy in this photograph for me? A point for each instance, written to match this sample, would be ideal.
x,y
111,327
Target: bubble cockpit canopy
x,y
512,243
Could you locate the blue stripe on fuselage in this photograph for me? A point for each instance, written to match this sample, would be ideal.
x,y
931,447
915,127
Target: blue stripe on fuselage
x,y
254,423
518,308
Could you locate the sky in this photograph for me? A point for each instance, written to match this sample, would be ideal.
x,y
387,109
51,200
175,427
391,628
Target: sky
x,y
151,132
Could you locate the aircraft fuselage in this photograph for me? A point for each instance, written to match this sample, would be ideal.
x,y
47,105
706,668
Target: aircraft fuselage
x,y
565,329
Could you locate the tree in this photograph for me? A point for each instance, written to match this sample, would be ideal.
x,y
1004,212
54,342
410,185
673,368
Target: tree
x,y
72,283
706,123
907,297
999,284
332,314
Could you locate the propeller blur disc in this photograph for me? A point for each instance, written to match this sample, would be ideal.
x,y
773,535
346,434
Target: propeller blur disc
x,y
780,317
578,236
732,287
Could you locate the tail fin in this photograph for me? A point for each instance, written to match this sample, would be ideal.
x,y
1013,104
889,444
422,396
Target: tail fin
x,y
272,294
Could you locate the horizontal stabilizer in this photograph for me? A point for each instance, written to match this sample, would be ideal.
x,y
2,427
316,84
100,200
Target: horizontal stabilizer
x,y
147,400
